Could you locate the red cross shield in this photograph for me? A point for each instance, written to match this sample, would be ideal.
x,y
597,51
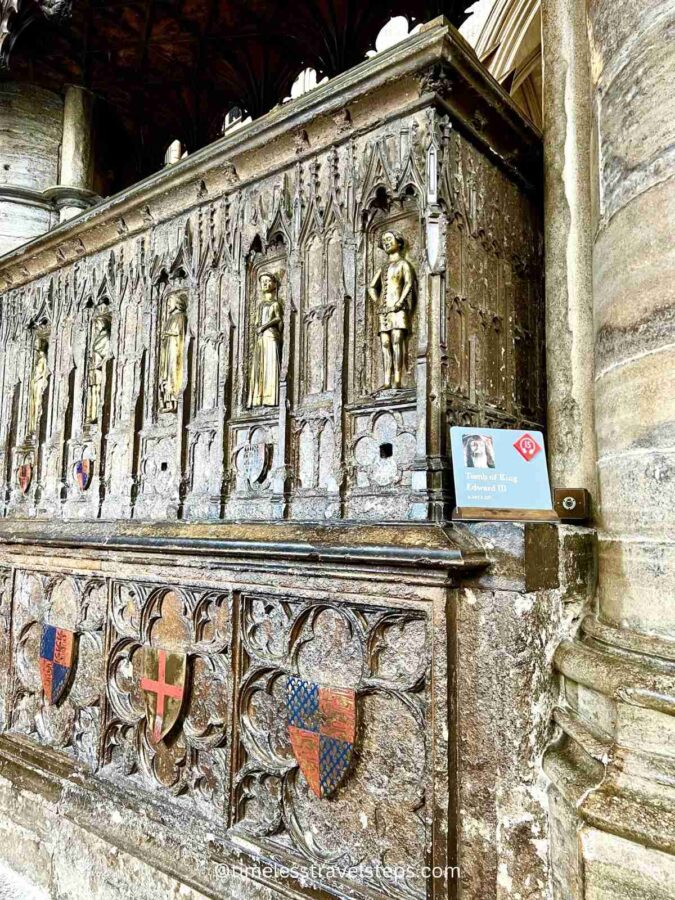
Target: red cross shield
x,y
24,475
163,685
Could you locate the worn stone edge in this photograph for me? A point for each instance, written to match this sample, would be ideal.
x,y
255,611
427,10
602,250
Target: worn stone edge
x,y
418,546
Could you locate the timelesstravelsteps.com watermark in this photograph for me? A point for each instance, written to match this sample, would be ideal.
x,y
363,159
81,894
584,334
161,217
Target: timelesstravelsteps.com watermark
x,y
327,873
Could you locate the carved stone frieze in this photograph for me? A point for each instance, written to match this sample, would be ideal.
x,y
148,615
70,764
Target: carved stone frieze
x,y
77,605
397,270
379,658
187,754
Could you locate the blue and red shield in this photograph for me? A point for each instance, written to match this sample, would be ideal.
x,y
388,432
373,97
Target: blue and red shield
x,y
57,651
83,473
322,730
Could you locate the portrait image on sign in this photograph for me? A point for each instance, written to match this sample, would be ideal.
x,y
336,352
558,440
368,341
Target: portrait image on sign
x,y
479,451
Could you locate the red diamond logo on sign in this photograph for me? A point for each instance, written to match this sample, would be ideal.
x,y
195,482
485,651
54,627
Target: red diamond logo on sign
x,y
527,447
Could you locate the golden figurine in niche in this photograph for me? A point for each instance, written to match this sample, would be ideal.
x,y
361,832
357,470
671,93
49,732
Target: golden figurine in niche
x,y
266,362
99,355
38,384
393,292
172,351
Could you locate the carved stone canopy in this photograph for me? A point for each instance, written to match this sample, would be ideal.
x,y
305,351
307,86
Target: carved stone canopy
x,y
171,70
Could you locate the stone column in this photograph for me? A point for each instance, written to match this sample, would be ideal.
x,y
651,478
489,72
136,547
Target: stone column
x,y
633,67
77,155
30,133
569,245
613,764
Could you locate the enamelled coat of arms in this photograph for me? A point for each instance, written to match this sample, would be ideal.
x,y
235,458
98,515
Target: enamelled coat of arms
x,y
24,476
83,472
163,684
322,729
57,652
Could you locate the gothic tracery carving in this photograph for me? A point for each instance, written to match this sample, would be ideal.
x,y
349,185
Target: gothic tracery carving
x,y
266,360
191,371
172,350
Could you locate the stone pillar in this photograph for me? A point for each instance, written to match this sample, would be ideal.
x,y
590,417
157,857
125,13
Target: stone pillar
x,y
30,134
569,245
633,67
613,764
77,156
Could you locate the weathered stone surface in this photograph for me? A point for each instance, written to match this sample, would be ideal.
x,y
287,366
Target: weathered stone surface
x,y
636,408
636,585
639,488
30,135
611,762
615,867
505,696
633,288
569,242
636,152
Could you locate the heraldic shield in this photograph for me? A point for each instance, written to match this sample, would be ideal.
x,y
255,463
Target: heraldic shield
x,y
83,472
24,475
57,651
322,730
163,684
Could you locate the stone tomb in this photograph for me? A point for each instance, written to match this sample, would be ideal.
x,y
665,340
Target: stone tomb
x,y
283,327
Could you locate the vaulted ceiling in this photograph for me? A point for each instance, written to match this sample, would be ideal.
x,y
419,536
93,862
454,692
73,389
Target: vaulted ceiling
x,y
170,69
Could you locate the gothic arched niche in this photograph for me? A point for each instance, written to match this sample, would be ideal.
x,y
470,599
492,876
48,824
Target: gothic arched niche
x,y
399,219
266,291
322,299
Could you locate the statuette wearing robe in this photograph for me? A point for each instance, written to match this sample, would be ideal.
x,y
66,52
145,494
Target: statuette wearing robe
x,y
38,383
266,361
172,352
393,291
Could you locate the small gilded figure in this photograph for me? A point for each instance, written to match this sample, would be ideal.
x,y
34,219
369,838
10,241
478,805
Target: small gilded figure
x,y
172,351
98,357
266,362
393,291
38,384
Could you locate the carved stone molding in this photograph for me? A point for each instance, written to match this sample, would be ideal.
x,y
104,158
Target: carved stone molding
x,y
15,15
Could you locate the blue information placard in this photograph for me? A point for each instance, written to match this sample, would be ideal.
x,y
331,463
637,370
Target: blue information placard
x,y
500,469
